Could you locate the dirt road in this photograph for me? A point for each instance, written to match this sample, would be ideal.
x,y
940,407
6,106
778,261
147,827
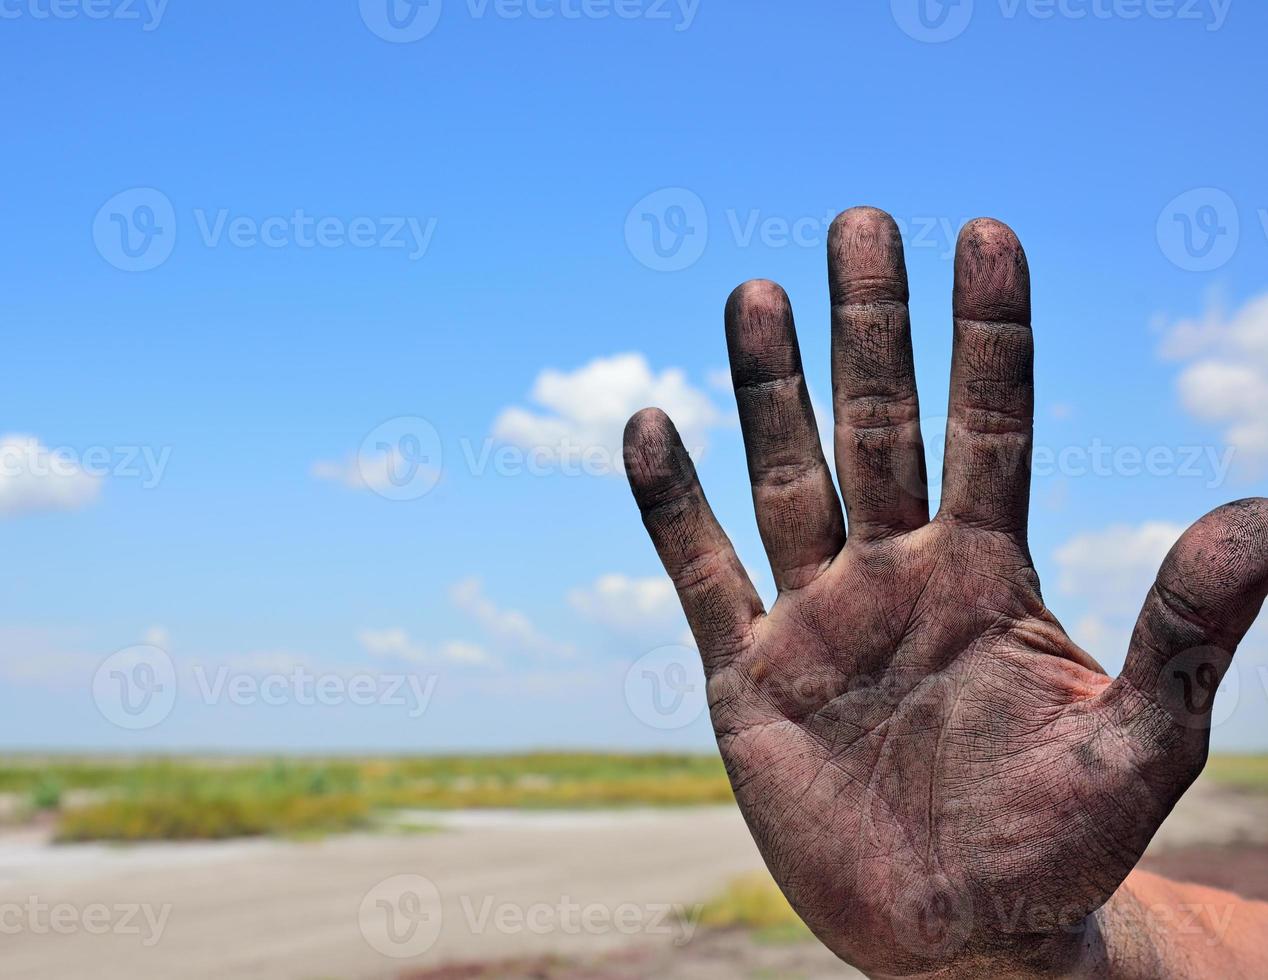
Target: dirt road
x,y
504,885
493,886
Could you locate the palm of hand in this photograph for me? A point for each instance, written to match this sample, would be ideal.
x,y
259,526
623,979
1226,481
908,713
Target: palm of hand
x,y
934,757
937,776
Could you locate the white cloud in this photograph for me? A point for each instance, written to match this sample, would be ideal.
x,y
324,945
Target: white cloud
x,y
1225,380
157,636
585,412
720,379
396,644
259,662
509,625
1108,565
390,644
1111,570
34,478
631,605
459,651
344,473
378,472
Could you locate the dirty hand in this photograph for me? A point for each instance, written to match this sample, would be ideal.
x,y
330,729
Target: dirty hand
x,y
941,781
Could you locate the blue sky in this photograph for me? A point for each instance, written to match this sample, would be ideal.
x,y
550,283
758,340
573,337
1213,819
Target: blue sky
x,y
335,228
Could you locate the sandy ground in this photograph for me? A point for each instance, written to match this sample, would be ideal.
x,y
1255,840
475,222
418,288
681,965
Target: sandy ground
x,y
615,894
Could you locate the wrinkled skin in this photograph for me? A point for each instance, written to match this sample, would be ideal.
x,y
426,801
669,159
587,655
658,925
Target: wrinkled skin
x,y
939,778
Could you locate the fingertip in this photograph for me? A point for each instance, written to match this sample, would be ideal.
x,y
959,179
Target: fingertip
x,y
758,297
989,232
1222,559
760,337
992,275
646,427
864,217
652,451
865,257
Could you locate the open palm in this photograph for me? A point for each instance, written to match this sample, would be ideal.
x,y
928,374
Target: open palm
x,y
939,778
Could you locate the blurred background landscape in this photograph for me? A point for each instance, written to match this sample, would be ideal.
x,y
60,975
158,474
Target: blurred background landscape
x,y
537,866
331,645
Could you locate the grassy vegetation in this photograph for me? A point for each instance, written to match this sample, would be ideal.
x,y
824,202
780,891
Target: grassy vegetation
x,y
755,903
211,817
191,798
1244,772
208,798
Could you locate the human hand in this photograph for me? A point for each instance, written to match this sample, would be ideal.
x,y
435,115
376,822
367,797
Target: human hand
x,y
939,778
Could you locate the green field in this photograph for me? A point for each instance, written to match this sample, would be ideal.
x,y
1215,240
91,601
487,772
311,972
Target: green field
x,y
206,798
193,798
1242,772
755,903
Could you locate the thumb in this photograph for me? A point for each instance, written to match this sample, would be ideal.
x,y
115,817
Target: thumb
x,y
1208,592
